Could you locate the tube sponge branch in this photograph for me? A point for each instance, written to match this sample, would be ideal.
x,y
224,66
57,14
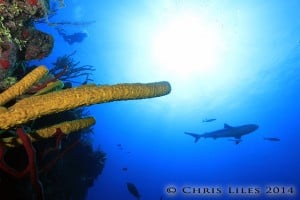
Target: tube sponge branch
x,y
24,84
66,128
34,107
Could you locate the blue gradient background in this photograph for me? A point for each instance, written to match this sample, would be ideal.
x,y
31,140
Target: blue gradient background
x,y
257,81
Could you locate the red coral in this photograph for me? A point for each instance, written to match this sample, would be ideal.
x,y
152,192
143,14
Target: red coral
x,y
25,34
8,54
4,64
32,2
31,167
50,164
37,87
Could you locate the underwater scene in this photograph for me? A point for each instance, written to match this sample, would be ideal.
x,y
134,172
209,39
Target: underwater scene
x,y
149,100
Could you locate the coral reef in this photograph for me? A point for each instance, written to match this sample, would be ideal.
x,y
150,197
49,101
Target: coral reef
x,y
19,40
23,85
7,59
43,155
39,109
37,106
30,107
55,161
38,44
50,131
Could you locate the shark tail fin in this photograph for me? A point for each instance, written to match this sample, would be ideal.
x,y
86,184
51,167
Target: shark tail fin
x,y
195,135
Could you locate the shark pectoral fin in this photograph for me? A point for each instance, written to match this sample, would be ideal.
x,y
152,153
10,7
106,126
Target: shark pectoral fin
x,y
238,141
195,135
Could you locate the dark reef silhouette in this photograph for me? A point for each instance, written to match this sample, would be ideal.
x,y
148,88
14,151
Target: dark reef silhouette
x,y
69,177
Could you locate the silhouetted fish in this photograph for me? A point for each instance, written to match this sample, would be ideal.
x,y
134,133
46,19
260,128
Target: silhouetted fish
x,y
208,120
124,169
133,190
120,146
273,139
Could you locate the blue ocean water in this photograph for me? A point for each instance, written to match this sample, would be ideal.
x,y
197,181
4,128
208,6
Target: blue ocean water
x,y
235,61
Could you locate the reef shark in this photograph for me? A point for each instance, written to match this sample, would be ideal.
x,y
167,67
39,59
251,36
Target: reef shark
x,y
228,131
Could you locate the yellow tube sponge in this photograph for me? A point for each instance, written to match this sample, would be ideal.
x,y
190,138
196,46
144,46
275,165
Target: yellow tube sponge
x,y
37,106
25,83
66,128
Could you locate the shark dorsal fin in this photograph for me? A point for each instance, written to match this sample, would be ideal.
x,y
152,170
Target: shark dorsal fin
x,y
227,126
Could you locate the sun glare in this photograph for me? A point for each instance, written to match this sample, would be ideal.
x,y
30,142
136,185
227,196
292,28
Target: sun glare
x,y
186,46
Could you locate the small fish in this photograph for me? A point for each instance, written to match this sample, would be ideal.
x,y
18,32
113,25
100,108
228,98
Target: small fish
x,y
208,120
133,190
120,146
273,139
124,169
